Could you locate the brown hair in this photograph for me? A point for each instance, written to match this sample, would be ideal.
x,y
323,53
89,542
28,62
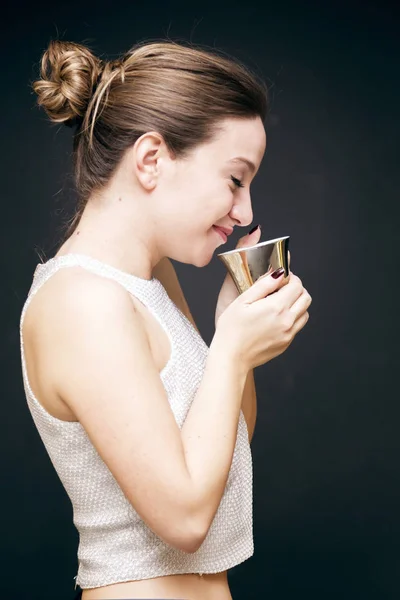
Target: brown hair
x,y
180,91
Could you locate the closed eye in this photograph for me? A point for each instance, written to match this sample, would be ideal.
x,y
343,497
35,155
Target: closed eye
x,y
237,182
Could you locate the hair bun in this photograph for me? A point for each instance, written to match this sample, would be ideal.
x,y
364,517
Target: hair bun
x,y
69,72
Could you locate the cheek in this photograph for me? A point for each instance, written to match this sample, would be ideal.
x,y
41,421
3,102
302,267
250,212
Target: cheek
x,y
203,201
218,202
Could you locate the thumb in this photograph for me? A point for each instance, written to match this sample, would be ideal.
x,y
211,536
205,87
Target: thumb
x,y
264,286
251,238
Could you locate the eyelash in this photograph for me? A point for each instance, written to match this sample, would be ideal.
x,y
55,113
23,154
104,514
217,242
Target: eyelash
x,y
237,182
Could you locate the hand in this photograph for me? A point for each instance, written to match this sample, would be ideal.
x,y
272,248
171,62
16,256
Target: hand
x,y
229,291
262,322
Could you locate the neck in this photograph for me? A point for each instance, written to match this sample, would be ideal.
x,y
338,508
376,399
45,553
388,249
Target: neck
x,y
110,233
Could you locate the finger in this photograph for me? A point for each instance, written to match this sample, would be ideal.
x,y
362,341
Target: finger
x,y
300,323
264,286
301,304
250,239
289,293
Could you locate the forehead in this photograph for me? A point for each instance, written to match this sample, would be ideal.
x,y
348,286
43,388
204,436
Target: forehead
x,y
241,137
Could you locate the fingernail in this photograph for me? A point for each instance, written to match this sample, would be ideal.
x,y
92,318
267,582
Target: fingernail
x,y
253,230
278,273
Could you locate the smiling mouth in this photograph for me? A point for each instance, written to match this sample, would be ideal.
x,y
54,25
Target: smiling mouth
x,y
221,233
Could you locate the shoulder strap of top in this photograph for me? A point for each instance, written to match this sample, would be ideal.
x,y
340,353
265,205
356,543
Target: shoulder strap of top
x,y
146,290
150,292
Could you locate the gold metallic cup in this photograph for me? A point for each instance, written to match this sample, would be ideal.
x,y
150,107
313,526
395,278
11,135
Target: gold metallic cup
x,y
246,265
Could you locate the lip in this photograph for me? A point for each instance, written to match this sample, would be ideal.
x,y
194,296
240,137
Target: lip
x,y
226,230
222,231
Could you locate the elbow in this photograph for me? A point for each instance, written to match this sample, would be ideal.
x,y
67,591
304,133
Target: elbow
x,y
188,539
179,524
193,541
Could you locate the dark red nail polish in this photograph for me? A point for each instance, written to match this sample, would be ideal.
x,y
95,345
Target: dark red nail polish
x,y
253,230
278,273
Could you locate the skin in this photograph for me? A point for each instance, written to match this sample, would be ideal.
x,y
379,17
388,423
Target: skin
x,y
158,206
155,207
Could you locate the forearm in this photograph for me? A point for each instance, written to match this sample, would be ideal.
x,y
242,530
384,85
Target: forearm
x,y
210,429
249,403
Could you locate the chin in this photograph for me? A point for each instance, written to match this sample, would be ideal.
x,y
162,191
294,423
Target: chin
x,y
202,260
203,255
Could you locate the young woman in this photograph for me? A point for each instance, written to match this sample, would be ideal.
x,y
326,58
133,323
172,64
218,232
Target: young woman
x,y
147,427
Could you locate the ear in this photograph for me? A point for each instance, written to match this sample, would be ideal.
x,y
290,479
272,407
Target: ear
x,y
146,156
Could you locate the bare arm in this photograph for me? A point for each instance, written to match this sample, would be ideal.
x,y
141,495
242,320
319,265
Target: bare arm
x,y
166,274
249,404
173,478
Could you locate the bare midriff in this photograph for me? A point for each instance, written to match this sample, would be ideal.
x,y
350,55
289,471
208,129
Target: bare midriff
x,y
192,586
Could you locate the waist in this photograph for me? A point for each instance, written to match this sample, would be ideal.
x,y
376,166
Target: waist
x,y
189,586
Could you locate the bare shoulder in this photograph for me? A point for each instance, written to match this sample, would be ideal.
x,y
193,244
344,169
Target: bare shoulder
x,y
72,304
73,301
72,289
71,296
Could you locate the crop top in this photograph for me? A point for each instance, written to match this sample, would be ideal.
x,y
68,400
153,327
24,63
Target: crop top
x,y
115,544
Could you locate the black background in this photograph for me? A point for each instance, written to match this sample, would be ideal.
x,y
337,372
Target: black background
x,y
326,445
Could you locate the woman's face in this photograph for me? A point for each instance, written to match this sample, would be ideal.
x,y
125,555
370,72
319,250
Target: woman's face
x,y
210,188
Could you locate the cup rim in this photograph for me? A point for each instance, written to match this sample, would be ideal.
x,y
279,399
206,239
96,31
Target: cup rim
x,y
285,237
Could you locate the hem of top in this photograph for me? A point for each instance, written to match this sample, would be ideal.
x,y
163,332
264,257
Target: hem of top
x,y
211,571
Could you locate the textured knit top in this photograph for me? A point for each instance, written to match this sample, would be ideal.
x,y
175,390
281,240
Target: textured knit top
x,y
115,544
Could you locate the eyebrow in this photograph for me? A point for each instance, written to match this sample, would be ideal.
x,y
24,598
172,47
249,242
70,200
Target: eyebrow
x,y
247,162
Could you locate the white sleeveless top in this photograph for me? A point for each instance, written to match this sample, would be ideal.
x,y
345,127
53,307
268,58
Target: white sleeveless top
x,y
115,544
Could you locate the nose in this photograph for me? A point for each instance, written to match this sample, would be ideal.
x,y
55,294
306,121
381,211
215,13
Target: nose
x,y
242,211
